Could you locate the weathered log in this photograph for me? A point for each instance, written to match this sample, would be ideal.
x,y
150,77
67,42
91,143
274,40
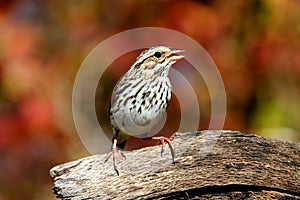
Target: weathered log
x,y
209,165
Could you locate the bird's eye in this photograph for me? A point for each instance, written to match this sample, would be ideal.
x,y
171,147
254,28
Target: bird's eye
x,y
157,54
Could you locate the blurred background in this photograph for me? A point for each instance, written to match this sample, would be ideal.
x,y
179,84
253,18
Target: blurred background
x,y
254,43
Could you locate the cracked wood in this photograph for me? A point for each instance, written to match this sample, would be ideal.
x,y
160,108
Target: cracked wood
x,y
209,165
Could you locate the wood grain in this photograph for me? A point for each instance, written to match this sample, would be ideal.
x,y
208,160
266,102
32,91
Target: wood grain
x,y
209,165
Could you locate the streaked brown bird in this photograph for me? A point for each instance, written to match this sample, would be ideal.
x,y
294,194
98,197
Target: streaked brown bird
x,y
141,97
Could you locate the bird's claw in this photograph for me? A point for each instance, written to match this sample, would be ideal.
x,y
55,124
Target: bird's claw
x,y
163,140
114,153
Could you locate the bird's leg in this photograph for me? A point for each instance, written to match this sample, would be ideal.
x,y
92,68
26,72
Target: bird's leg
x,y
163,140
114,153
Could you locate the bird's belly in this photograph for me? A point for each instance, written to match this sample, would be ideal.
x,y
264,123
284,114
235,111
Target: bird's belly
x,y
139,112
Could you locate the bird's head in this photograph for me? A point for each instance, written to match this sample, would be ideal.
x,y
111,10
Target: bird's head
x,y
156,60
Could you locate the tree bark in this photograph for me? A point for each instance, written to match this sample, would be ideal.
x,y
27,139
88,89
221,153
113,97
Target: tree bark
x,y
209,165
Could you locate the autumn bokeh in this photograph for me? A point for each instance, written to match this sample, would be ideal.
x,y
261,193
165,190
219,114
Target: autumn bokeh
x,y
255,45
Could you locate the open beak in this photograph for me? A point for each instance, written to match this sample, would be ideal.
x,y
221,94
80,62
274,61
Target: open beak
x,y
174,55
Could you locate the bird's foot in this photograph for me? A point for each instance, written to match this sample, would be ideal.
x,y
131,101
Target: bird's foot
x,y
163,140
114,153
